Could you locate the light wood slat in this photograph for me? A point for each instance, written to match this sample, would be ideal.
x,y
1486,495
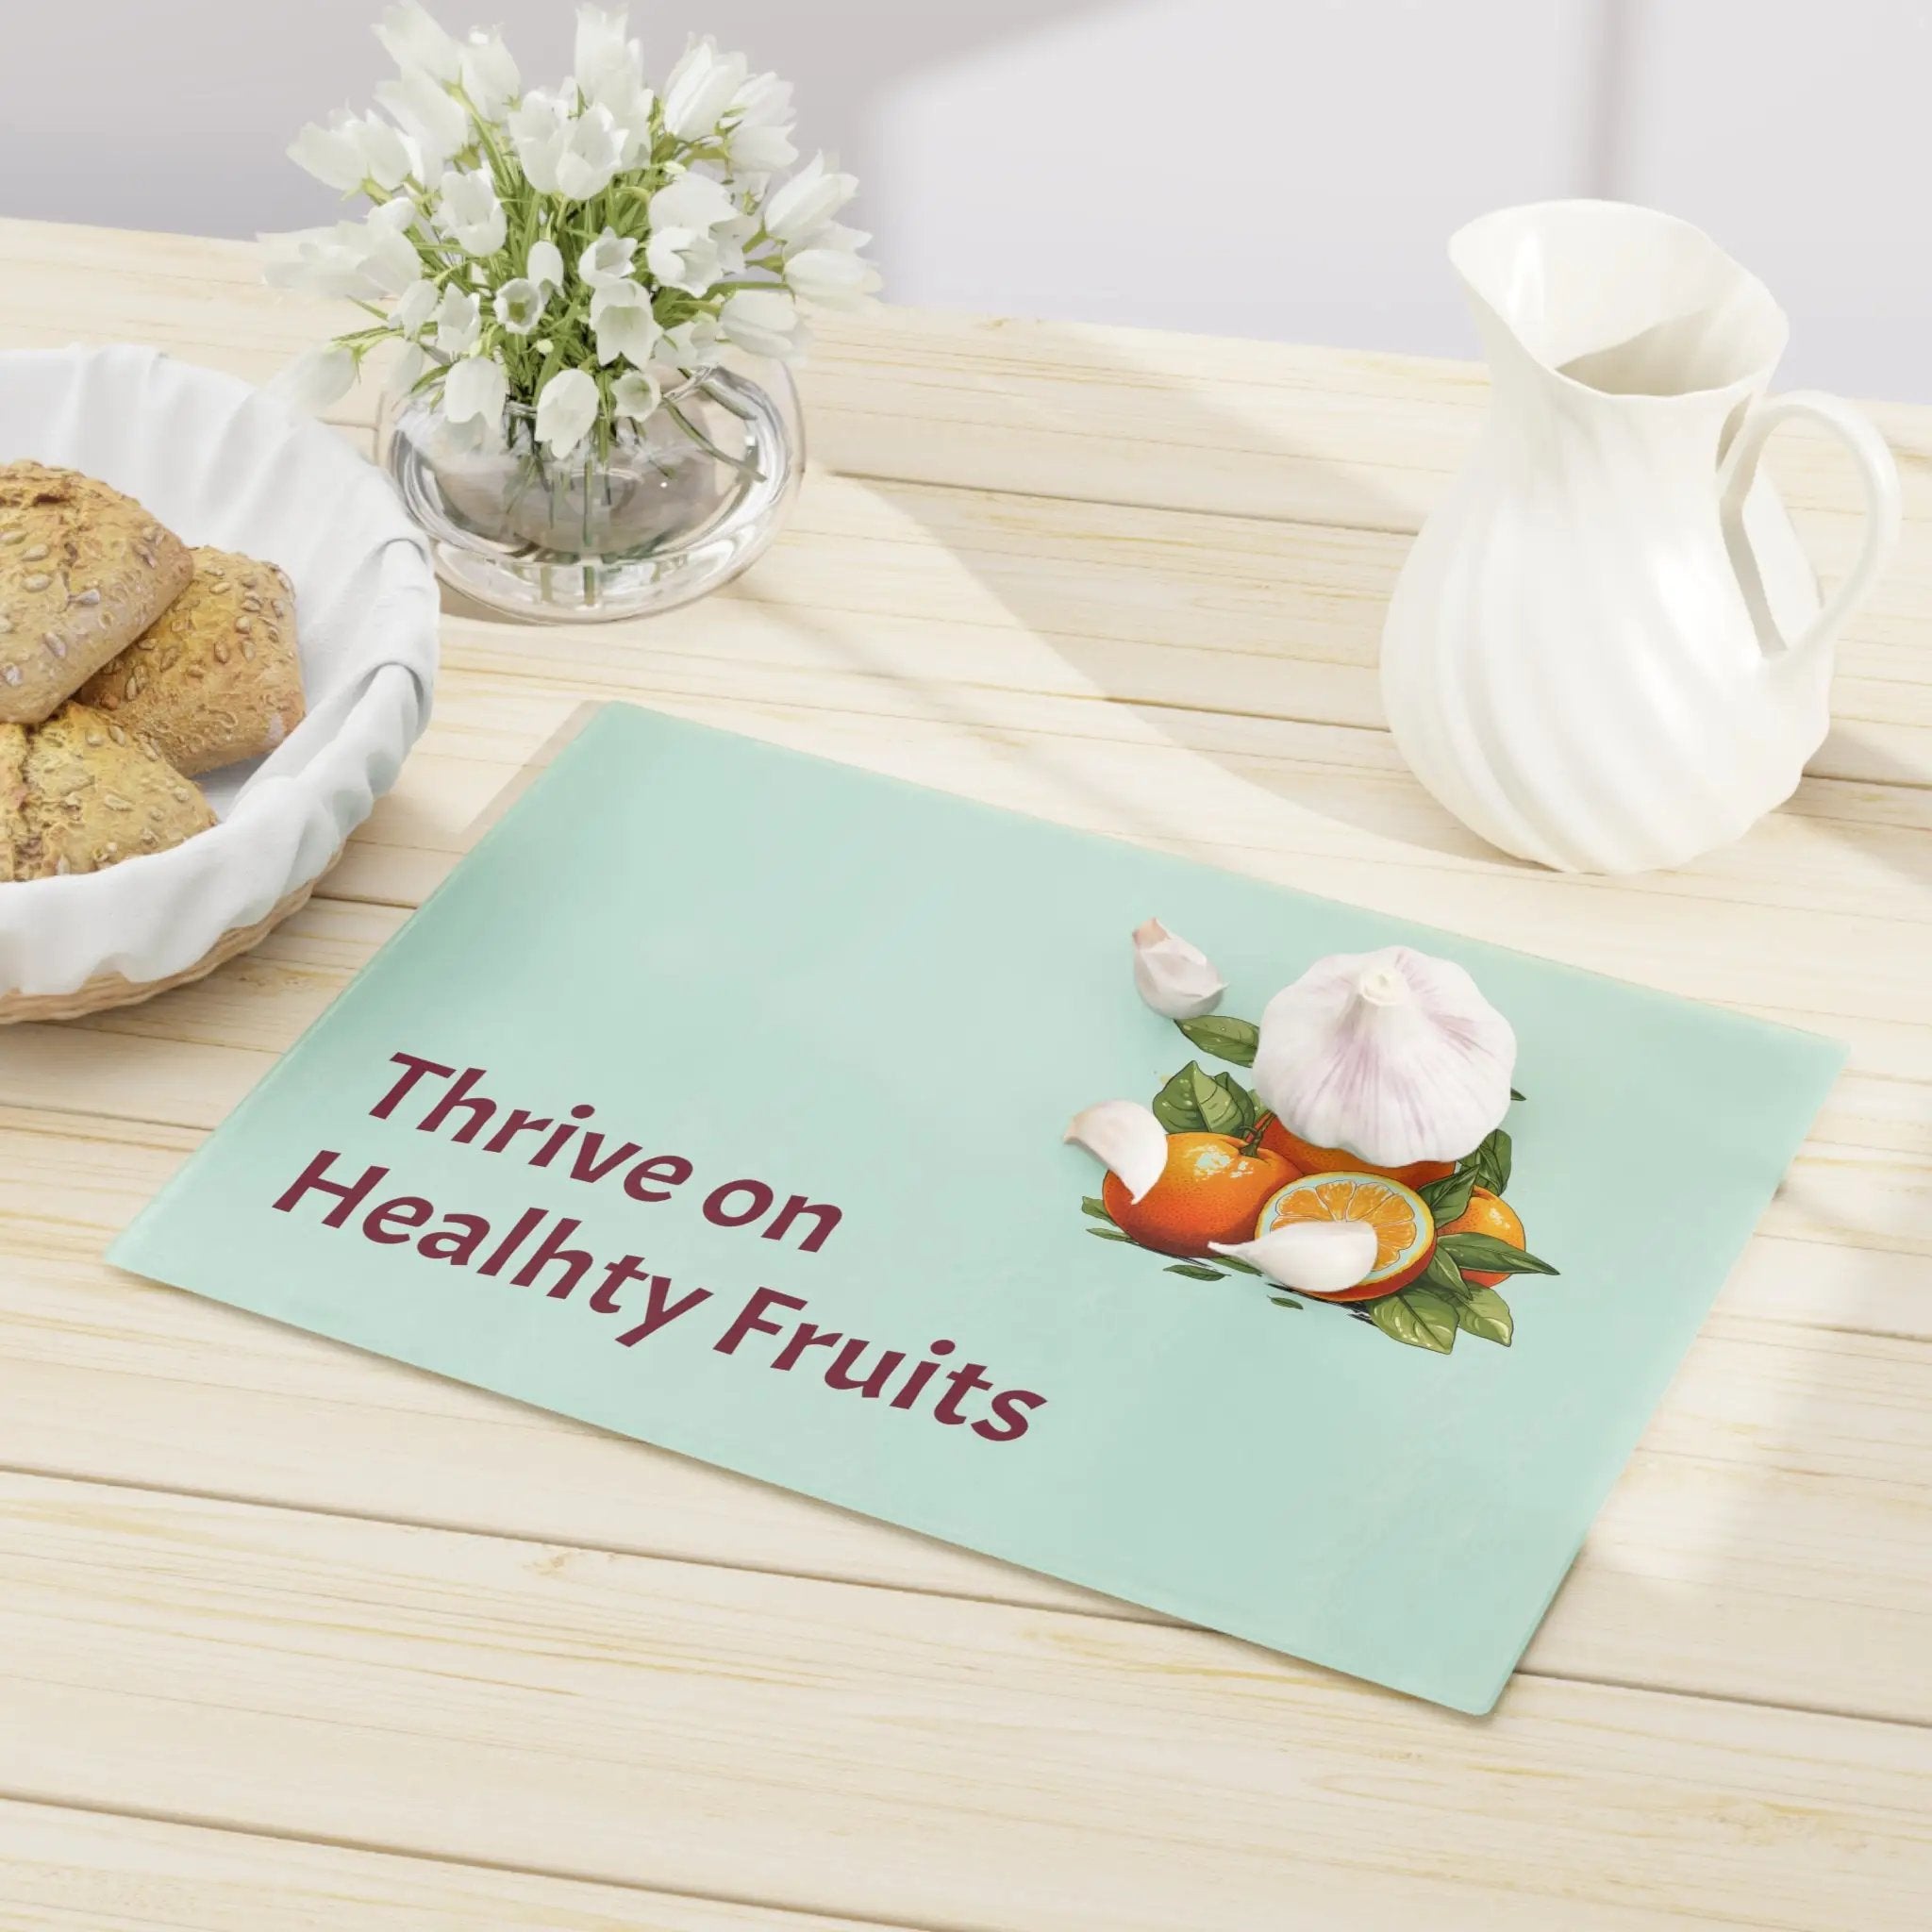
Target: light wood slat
x,y
66,1870
1773,1531
710,1730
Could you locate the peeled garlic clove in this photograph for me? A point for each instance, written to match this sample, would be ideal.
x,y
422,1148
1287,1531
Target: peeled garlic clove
x,y
1393,1056
1175,979
1125,1136
1315,1257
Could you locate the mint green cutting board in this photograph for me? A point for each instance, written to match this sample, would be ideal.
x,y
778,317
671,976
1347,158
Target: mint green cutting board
x,y
789,988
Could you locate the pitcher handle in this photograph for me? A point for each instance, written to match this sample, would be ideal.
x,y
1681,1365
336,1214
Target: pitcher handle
x,y
1876,470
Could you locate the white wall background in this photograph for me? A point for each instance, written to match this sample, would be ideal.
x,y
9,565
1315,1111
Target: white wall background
x,y
1283,167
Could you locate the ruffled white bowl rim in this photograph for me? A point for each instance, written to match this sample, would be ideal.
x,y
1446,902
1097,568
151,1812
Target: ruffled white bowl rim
x,y
220,463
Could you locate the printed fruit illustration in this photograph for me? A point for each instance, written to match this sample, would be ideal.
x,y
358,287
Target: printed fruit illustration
x,y
1405,1233
1486,1213
1210,1190
1306,1157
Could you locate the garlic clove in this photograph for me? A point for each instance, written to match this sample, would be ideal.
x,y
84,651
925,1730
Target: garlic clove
x,y
1126,1137
1315,1257
1394,1056
1175,979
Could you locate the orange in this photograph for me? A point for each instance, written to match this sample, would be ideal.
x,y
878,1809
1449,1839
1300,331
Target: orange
x,y
1486,1213
1405,1234
1306,1157
1210,1190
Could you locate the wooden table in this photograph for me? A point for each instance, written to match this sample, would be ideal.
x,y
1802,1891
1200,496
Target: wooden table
x,y
293,1637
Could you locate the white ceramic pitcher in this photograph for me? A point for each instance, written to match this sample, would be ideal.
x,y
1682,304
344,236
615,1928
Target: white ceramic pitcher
x,y
1607,650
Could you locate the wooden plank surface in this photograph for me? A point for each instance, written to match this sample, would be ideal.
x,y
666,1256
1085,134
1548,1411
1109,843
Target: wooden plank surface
x,y
721,1731
67,1870
276,1613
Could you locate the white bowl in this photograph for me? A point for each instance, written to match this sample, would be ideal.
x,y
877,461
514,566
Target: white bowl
x,y
219,462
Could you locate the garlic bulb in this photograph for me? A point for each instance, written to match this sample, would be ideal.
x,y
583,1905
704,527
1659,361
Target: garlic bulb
x,y
1126,1137
1393,1056
1176,979
1317,1258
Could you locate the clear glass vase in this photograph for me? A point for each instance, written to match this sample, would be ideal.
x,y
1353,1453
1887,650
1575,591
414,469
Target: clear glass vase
x,y
674,507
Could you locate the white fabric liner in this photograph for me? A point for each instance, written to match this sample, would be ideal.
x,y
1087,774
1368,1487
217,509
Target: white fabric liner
x,y
221,463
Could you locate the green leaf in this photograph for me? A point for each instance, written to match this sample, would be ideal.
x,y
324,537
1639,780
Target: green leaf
x,y
1484,1313
1250,1108
1221,1111
1446,1198
1113,1234
1487,1255
1174,1106
1236,1265
1491,1161
1514,1095
1283,1301
1225,1038
1093,1205
1419,1316
1442,1273
1194,1272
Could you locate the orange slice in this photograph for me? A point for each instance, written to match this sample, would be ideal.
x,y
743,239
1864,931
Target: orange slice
x,y
1404,1232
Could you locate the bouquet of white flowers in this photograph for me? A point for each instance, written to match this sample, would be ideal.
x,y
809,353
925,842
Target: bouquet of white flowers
x,y
583,250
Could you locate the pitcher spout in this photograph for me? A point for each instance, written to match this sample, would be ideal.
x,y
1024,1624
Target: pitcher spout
x,y
1617,301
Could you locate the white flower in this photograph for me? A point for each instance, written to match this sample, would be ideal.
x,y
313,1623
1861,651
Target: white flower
x,y
693,345
565,410
609,74
684,259
316,378
458,322
407,368
433,118
519,303
702,85
475,389
1175,979
470,212
356,260
761,126
545,265
802,206
351,150
413,40
831,277
761,319
591,153
417,304
539,128
636,393
607,259
488,73
622,320
692,201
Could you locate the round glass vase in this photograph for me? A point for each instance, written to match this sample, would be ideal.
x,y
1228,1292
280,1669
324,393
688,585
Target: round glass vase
x,y
666,511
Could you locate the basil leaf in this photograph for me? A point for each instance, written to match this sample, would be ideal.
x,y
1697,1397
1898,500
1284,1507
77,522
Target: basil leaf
x,y
1492,1161
1093,1205
1446,1198
1418,1316
1174,1106
1194,1272
1487,1255
1484,1313
1225,1038
1219,1112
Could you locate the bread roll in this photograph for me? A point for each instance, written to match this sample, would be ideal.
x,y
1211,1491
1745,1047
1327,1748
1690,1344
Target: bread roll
x,y
83,572
216,677
79,792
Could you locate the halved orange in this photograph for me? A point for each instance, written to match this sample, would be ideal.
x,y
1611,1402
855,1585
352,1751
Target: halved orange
x,y
1405,1230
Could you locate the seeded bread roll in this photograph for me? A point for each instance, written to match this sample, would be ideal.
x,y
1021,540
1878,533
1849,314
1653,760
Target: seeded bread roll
x,y
83,572
79,792
216,677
